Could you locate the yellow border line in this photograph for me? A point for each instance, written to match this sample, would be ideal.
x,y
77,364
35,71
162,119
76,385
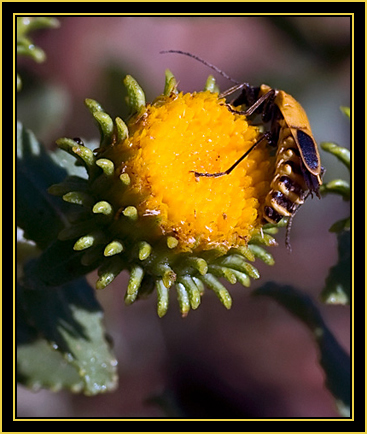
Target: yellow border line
x,y
352,218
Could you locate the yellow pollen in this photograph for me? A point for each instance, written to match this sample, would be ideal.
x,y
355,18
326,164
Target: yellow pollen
x,y
182,133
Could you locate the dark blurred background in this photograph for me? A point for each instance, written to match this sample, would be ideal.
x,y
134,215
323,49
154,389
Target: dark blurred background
x,y
255,360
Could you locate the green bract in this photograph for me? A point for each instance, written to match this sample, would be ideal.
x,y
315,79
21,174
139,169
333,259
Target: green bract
x,y
114,238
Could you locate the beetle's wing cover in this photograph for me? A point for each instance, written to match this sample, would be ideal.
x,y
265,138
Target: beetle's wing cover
x,y
309,152
296,119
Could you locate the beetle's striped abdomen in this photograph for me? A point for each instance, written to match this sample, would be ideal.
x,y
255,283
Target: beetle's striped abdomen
x,y
288,187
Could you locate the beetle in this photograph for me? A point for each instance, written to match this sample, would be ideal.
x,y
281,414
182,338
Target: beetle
x,y
298,168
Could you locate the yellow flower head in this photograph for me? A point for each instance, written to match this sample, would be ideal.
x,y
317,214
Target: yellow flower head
x,y
184,133
149,211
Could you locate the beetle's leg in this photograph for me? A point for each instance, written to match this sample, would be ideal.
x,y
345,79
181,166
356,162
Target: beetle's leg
x,y
248,96
265,136
252,109
264,98
233,89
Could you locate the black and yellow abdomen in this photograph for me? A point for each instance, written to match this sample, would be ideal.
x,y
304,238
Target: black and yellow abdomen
x,y
288,187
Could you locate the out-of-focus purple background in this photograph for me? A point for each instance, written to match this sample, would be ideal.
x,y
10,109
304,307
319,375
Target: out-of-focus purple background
x,y
255,360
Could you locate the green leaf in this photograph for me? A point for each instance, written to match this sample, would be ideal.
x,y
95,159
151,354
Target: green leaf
x,y
41,215
337,288
340,225
65,345
342,154
25,45
333,359
39,365
337,284
57,265
28,24
337,186
38,213
346,111
69,320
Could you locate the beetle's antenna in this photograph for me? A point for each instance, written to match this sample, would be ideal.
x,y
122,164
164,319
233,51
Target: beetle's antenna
x,y
213,67
288,233
289,224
